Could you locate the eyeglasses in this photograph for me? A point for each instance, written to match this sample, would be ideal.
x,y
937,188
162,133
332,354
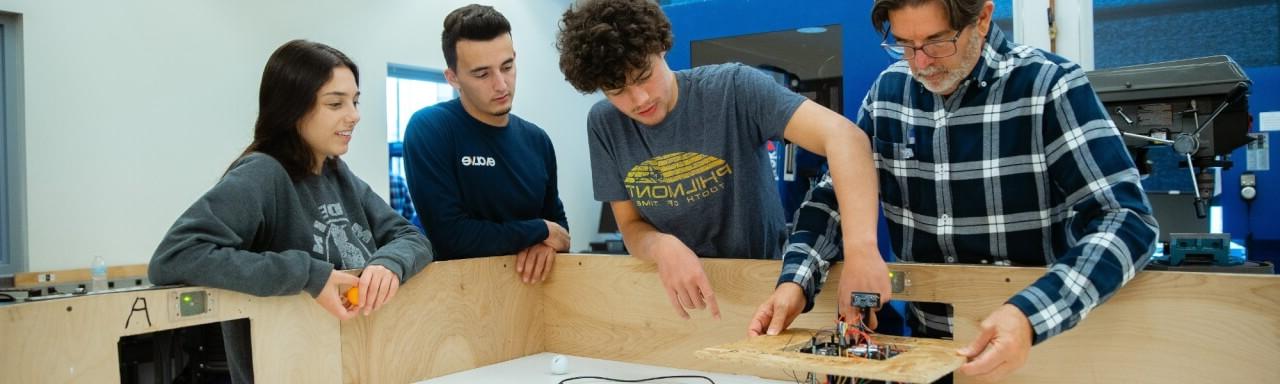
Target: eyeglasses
x,y
936,49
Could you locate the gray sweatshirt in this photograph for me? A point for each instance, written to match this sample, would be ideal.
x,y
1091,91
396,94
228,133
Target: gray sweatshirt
x,y
260,233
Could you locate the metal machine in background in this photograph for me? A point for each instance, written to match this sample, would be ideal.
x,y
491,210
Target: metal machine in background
x,y
1181,121
796,170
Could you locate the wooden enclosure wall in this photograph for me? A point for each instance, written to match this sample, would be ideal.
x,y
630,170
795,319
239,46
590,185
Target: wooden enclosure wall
x,y
74,340
453,316
615,308
1163,327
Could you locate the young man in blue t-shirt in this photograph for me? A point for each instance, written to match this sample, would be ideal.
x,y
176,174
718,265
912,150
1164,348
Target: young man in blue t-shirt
x,y
483,180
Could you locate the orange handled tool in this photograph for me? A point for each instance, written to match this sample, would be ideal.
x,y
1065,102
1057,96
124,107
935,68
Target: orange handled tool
x,y
353,296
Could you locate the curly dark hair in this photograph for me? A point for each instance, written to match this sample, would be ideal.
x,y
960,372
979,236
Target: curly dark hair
x,y
602,41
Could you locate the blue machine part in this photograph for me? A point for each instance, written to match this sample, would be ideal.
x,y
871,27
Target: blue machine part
x,y
795,170
1201,248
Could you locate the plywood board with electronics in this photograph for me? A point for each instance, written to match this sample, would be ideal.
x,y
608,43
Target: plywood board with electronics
x,y
804,350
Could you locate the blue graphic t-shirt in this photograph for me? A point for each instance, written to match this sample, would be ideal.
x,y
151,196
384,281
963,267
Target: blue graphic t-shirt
x,y
702,174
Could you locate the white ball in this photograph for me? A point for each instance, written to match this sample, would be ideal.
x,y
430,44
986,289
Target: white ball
x,y
559,364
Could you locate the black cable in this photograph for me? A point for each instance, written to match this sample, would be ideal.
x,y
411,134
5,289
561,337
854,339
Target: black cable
x,y
708,379
1248,225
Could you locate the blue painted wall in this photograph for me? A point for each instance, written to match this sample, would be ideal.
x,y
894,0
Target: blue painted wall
x,y
862,56
863,60
1238,219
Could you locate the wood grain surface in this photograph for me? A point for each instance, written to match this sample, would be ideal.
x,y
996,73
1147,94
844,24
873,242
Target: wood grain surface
x,y
1162,327
924,361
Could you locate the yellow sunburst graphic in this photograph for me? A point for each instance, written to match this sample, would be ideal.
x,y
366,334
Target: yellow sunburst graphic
x,y
672,168
676,178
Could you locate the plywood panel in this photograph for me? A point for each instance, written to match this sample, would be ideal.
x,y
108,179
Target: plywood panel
x,y
1162,327
74,340
1202,327
294,340
924,360
614,307
453,316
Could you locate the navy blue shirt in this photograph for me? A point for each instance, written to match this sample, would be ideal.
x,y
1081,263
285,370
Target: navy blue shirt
x,y
480,190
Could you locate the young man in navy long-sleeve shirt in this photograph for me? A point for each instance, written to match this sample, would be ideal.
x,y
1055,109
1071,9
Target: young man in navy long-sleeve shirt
x,y
482,179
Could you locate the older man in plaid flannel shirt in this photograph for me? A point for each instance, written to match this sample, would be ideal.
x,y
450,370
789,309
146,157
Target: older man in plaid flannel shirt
x,y
988,153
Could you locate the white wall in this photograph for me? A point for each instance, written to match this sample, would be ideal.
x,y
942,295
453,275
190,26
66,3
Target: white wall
x,y
134,108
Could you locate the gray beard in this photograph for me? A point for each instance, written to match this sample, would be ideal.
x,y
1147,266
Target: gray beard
x,y
951,80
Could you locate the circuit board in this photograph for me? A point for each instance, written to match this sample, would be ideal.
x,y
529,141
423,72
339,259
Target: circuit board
x,y
899,359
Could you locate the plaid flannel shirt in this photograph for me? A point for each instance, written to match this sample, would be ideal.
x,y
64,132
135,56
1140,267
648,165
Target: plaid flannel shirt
x,y
1020,166
400,201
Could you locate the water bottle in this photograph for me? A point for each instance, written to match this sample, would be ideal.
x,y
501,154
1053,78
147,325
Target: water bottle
x,y
99,273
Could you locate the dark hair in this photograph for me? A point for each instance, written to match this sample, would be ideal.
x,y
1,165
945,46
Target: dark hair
x,y
602,41
472,22
293,75
960,13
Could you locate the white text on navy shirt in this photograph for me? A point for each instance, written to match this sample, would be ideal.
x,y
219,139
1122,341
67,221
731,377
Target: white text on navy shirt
x,y
478,161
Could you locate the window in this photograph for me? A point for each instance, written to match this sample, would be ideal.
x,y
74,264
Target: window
x,y
408,90
1148,31
12,254
4,153
1025,22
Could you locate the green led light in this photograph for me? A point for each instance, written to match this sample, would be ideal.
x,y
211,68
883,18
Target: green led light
x,y
193,303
